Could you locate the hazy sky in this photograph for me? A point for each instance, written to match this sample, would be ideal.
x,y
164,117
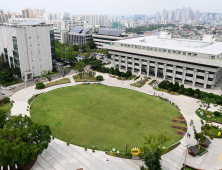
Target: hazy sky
x,y
112,6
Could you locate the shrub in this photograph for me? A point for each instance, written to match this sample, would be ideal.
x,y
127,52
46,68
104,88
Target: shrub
x,y
218,101
128,74
216,113
203,95
186,92
210,95
99,78
196,95
197,91
40,86
6,100
176,86
180,91
190,91
162,85
182,86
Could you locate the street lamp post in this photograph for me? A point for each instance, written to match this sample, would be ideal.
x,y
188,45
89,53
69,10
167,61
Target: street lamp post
x,y
185,157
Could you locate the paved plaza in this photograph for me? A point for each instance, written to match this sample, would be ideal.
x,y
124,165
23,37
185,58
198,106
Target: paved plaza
x,y
60,156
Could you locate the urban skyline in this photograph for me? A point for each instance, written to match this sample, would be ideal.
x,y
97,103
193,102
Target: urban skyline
x,y
123,8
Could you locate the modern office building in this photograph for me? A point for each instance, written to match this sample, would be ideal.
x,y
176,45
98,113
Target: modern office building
x,y
106,36
61,35
80,35
186,61
29,46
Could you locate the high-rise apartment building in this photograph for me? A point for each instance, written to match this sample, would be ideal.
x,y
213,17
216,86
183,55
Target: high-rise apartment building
x,y
103,21
158,15
5,17
28,46
197,15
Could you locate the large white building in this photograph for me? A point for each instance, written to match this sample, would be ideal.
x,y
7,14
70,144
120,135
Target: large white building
x,y
187,61
29,46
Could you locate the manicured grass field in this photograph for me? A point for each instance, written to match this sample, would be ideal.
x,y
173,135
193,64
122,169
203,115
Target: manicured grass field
x,y
107,117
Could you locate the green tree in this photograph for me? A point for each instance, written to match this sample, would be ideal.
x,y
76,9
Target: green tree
x,y
116,72
4,114
95,63
80,68
63,71
21,140
111,71
152,160
205,103
176,86
203,95
197,91
99,78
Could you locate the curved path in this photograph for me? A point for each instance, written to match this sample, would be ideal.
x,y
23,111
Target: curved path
x,y
60,156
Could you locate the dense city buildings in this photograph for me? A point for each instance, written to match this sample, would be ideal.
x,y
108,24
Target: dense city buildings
x,y
28,46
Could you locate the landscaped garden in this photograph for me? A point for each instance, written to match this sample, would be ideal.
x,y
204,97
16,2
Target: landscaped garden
x,y
104,117
210,116
53,83
84,77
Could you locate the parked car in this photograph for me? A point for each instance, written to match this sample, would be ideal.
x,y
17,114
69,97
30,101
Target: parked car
x,y
10,87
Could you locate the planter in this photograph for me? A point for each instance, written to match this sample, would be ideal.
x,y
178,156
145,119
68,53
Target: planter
x,y
93,150
203,152
67,144
85,149
53,138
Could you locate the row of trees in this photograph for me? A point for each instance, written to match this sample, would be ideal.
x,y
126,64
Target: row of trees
x,y
189,91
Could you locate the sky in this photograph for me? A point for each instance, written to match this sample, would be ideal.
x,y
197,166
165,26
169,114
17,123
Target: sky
x,y
121,7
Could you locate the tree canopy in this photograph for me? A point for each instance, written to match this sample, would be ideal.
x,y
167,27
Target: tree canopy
x,y
21,140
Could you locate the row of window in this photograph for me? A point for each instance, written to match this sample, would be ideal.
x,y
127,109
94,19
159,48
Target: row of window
x,y
34,67
162,50
31,45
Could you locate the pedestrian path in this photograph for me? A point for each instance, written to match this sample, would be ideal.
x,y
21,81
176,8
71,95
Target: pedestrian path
x,y
60,156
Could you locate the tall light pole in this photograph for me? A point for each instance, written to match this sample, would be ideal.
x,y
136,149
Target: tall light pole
x,y
185,157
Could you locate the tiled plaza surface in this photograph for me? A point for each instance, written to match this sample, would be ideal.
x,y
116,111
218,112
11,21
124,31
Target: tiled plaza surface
x,y
60,156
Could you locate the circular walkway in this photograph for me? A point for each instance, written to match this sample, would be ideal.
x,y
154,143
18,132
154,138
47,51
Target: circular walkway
x,y
60,156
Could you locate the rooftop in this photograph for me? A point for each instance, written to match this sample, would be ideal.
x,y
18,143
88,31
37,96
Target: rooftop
x,y
27,23
195,46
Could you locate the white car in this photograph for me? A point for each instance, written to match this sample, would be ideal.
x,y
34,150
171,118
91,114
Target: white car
x,y
10,87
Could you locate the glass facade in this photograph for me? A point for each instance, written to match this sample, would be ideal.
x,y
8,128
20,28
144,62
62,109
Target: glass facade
x,y
15,52
52,40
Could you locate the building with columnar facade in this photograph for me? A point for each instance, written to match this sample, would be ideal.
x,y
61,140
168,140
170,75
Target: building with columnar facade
x,y
186,61
29,46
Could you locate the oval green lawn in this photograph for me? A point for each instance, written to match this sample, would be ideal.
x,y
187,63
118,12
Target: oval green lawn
x,y
107,117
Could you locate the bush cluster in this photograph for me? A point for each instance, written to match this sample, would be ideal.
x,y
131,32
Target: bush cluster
x,y
6,100
189,91
99,78
40,86
114,71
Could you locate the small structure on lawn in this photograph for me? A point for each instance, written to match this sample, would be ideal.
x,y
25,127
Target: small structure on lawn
x,y
193,150
206,143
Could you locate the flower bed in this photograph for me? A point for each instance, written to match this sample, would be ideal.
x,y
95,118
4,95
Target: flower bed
x,y
139,83
153,81
33,97
57,82
84,78
169,102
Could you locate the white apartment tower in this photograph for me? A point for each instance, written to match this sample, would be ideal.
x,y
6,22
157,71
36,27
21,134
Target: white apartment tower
x,y
29,46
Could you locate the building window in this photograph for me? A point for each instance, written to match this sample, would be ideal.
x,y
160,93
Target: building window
x,y
147,48
160,49
174,51
121,44
128,45
132,46
139,47
32,67
31,53
30,45
189,54
212,57
40,59
136,46
151,49
155,49
40,66
39,52
194,54
169,51
38,44
37,37
143,47
125,45
29,37
179,52
184,53
164,50
32,60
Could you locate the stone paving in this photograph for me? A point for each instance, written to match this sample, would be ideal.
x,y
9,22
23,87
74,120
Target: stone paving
x,y
60,156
